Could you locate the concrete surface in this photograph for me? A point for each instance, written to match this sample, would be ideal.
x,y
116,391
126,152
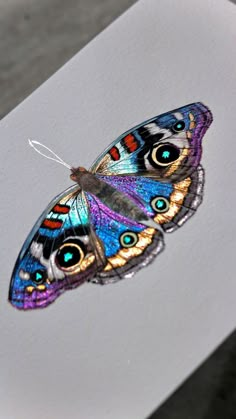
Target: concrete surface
x,y
210,393
36,38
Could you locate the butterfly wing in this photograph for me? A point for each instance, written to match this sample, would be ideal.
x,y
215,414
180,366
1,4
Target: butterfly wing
x,y
61,252
78,239
156,164
166,147
168,204
128,245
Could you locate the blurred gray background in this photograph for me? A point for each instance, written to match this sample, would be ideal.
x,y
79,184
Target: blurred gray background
x,y
37,38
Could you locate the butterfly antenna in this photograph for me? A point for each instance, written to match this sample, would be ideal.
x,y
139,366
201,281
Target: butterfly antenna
x,y
51,155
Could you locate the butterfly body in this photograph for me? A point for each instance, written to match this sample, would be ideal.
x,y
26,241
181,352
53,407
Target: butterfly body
x,y
111,222
110,196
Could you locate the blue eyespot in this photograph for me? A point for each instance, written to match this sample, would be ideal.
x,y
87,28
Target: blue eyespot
x,y
179,126
164,155
38,276
69,255
128,239
160,204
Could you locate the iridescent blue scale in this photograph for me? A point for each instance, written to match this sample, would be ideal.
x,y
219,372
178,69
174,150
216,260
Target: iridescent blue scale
x,y
110,226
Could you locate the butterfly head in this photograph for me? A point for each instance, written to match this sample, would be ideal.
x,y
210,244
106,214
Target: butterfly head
x,y
77,173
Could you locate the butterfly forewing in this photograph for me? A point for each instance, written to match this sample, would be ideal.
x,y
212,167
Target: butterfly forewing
x,y
167,147
60,253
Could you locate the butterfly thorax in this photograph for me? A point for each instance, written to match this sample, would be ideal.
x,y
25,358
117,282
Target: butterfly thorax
x,y
108,195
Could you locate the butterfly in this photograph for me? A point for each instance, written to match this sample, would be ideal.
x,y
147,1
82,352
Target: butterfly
x,y
112,221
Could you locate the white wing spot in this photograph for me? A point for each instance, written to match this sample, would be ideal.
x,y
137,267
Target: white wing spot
x,y
178,115
24,275
153,129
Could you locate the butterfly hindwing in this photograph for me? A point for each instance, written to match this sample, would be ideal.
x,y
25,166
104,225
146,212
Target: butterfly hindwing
x,y
168,204
127,245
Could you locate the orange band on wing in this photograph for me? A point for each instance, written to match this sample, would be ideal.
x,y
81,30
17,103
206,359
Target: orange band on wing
x,y
114,153
52,224
61,209
131,143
